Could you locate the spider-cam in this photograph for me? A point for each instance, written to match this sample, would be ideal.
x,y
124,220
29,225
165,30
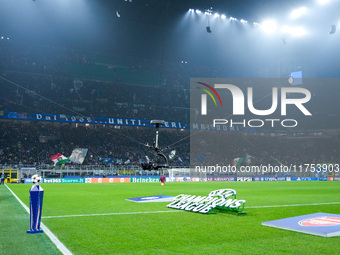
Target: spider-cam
x,y
160,160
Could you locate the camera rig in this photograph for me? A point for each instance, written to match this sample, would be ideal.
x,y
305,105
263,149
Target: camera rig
x,y
160,160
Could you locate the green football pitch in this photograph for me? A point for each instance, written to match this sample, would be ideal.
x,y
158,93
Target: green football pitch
x,y
96,219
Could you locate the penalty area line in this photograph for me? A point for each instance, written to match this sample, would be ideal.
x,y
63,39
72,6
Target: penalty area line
x,y
61,247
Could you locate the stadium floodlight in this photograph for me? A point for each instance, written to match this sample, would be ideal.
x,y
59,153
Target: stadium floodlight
x,y
298,12
216,15
191,10
243,21
255,24
208,11
269,26
223,16
198,11
232,18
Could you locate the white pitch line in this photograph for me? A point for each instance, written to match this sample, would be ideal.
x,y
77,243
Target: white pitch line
x,y
62,248
105,214
272,206
126,213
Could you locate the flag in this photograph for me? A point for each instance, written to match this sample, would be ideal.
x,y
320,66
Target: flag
x,y
127,162
172,154
78,155
248,158
59,159
180,160
106,160
237,161
200,158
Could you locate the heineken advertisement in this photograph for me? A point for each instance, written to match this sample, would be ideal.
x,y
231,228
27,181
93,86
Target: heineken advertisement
x,y
144,179
217,200
63,180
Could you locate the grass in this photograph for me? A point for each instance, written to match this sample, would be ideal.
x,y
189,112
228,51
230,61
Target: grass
x,y
172,233
14,222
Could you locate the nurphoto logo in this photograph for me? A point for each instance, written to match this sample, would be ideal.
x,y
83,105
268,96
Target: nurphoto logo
x,y
281,97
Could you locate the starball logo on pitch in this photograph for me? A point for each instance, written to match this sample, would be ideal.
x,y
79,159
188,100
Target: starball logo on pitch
x,y
282,100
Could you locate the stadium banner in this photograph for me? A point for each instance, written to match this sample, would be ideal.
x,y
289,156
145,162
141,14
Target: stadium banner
x,y
170,179
336,179
107,180
268,178
183,179
28,180
145,179
113,121
88,120
28,169
62,180
304,178
244,179
217,179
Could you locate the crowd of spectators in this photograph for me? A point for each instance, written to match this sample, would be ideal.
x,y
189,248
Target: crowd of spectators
x,y
44,79
37,75
223,147
32,143
92,98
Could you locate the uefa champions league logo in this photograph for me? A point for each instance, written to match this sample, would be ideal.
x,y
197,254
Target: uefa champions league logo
x,y
222,199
